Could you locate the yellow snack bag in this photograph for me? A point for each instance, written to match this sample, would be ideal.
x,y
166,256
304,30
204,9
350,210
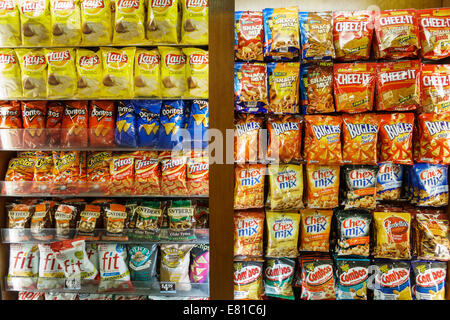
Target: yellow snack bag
x,y
197,72
10,86
118,72
286,186
194,28
96,24
162,21
392,235
61,74
33,66
89,73
129,22
173,72
35,22
66,22
283,86
282,234
147,76
9,24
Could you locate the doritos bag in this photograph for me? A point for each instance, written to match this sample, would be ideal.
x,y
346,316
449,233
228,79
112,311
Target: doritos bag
x,y
194,22
10,118
62,76
96,22
125,133
172,120
66,22
33,116
75,124
118,80
35,22
33,66
198,124
101,123
162,21
10,34
55,112
129,22
147,73
147,121
89,72
10,85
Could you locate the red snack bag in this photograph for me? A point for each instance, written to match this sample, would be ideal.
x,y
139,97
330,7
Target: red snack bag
x,y
101,123
43,171
352,34
323,139
434,138
121,170
75,124
249,36
398,85
434,33
285,136
354,86
19,169
147,174
66,166
33,119
173,173
53,123
396,137
198,174
98,170
246,138
10,119
435,88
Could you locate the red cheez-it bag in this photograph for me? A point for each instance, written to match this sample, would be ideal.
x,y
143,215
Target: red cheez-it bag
x,y
75,124
173,174
396,138
33,119
147,175
121,169
435,33
198,174
434,140
101,123
435,88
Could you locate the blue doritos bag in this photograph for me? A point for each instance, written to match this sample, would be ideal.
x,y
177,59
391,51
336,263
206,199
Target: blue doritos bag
x,y
198,124
125,132
147,121
172,120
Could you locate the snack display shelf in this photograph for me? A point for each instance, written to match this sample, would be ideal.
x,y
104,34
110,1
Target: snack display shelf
x,y
97,99
48,235
143,45
157,288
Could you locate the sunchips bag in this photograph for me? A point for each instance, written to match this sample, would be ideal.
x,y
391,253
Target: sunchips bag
x,y
162,21
10,86
96,22
33,65
194,22
9,24
197,72
125,133
89,73
434,33
147,121
173,72
35,22
147,77
118,72
129,22
62,76
66,22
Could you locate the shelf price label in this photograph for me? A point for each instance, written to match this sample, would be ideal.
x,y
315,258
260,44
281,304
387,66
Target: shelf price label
x,y
73,283
167,287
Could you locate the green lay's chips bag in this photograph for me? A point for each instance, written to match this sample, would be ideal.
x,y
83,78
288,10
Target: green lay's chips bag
x,y
125,133
172,120
147,122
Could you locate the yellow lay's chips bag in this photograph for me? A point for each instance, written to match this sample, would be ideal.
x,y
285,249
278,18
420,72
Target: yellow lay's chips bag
x,y
89,73
66,22
96,24
173,72
10,86
35,22
129,22
9,24
147,76
33,66
194,28
162,21
61,74
118,72
197,72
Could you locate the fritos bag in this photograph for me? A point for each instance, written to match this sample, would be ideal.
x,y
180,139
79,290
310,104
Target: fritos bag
x,y
282,234
102,115
360,133
10,84
248,233
248,280
118,80
352,34
354,87
147,73
147,174
398,85
395,138
173,173
129,21
62,76
434,33
195,22
250,87
323,139
392,235
89,73
317,277
284,80
246,138
435,88
316,87
163,20
281,30
35,22
122,174
285,186
323,186
249,35
434,138
197,72
66,22
315,226
10,32
173,72
33,66
33,119
285,136
75,124
316,30
249,186
96,22
197,177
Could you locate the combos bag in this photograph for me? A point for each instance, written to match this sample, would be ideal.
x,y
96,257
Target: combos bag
x,y
10,32
316,87
96,22
434,33
10,84
250,87
283,87
35,22
33,66
173,72
118,80
248,280
278,276
194,22
352,277
66,22
197,72
129,22
147,77
249,35
61,73
101,123
163,21
316,30
316,277
435,88
429,279
392,281
89,73
125,132
147,121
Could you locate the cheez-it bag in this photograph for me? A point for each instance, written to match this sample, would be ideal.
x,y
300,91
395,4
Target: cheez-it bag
x,y
75,124
435,88
434,33
434,141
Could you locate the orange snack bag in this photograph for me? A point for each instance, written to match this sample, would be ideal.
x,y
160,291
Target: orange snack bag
x,y
354,86
10,118
101,123
121,170
285,136
43,171
98,170
33,119
360,134
434,33
249,186
147,174
55,111
323,186
246,138
75,124
398,85
315,226
198,174
173,173
66,171
434,138
435,88
396,137
248,233
323,139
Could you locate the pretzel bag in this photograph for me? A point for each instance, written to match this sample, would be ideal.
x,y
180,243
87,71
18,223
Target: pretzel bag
x,y
249,35
285,186
249,186
10,32
248,233
283,87
434,138
173,174
354,87
392,235
316,29
33,119
322,186
434,33
352,34
282,234
435,88
180,214
147,220
316,87
101,123
246,138
10,86
33,66
432,236
285,136
75,124
315,226
116,218
250,87
248,283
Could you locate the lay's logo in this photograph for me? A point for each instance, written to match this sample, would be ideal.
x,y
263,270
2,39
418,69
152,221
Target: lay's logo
x,y
114,57
161,3
175,59
7,59
431,277
86,61
58,56
7,5
33,6
63,5
135,4
279,272
354,276
320,274
93,4
33,60
149,59
394,277
196,59
196,3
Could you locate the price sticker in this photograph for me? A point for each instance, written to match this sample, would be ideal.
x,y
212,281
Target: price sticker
x,y
167,287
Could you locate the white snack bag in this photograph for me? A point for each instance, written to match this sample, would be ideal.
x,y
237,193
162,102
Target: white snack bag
x,y
114,273
60,296
51,275
23,266
175,260
28,295
94,296
92,253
